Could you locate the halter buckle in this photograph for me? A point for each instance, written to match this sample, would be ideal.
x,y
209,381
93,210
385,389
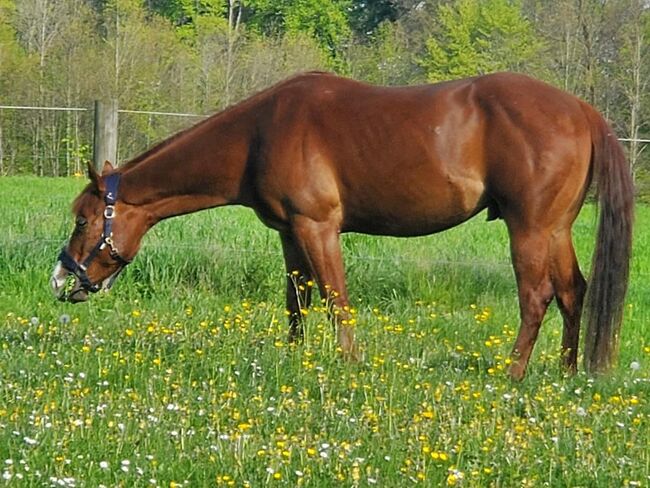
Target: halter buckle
x,y
109,212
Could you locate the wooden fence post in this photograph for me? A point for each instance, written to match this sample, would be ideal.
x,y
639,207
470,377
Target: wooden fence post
x,y
105,133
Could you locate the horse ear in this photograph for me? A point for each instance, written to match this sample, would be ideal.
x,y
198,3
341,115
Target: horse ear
x,y
108,168
95,179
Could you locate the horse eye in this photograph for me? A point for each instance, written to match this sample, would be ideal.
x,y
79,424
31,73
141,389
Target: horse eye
x,y
81,221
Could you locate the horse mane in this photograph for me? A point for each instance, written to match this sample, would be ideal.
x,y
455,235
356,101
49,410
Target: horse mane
x,y
242,104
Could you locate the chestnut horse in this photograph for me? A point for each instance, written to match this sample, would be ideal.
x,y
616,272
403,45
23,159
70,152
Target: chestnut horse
x,y
317,155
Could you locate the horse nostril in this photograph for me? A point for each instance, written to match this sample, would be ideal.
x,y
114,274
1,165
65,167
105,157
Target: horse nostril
x,y
78,296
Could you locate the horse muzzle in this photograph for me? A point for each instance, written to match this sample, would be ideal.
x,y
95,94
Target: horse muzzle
x,y
67,287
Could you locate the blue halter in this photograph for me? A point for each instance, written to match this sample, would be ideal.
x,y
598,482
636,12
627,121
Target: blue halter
x,y
112,182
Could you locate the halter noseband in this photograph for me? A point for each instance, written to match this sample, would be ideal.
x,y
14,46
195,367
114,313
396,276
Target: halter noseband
x,y
112,182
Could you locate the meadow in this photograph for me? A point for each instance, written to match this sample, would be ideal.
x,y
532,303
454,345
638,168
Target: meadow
x,y
182,375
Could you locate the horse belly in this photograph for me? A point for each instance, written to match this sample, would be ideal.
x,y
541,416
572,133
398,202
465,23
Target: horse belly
x,y
414,210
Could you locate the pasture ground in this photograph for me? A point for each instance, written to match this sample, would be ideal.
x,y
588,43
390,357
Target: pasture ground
x,y
182,374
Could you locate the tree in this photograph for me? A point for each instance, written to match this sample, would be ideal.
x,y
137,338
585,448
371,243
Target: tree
x,y
12,59
325,21
39,23
634,77
366,16
140,53
267,61
479,36
386,59
72,80
217,45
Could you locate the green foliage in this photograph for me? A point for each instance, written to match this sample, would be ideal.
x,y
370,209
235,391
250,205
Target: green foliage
x,y
191,16
478,37
367,16
386,59
325,21
11,54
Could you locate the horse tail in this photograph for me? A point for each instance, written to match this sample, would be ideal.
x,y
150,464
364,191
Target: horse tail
x,y
611,261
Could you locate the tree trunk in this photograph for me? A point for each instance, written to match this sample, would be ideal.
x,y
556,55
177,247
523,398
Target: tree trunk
x,y
635,101
234,22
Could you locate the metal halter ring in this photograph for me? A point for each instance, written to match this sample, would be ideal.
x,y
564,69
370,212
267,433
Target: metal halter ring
x,y
109,211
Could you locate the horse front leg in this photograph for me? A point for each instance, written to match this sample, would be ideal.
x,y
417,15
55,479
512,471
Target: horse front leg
x,y
299,285
319,241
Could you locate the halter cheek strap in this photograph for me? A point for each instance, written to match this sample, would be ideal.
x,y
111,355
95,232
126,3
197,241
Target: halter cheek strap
x,y
112,183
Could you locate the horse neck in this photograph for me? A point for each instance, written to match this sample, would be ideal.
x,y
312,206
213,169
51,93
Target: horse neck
x,y
201,168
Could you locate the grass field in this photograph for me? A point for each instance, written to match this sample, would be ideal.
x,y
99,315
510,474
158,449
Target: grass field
x,y
181,375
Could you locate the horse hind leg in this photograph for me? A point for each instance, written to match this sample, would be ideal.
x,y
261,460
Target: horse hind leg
x,y
570,286
530,257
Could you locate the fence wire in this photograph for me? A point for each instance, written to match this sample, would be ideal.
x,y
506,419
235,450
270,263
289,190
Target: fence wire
x,y
57,143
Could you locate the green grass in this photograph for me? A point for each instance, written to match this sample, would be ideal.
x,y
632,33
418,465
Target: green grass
x,y
182,374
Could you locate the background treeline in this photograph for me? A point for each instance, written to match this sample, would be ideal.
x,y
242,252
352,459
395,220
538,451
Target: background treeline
x,y
198,56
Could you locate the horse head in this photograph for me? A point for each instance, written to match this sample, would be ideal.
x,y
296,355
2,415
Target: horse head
x,y
106,237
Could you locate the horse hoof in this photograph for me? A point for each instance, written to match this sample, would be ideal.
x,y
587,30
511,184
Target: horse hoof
x,y
353,355
296,338
516,372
